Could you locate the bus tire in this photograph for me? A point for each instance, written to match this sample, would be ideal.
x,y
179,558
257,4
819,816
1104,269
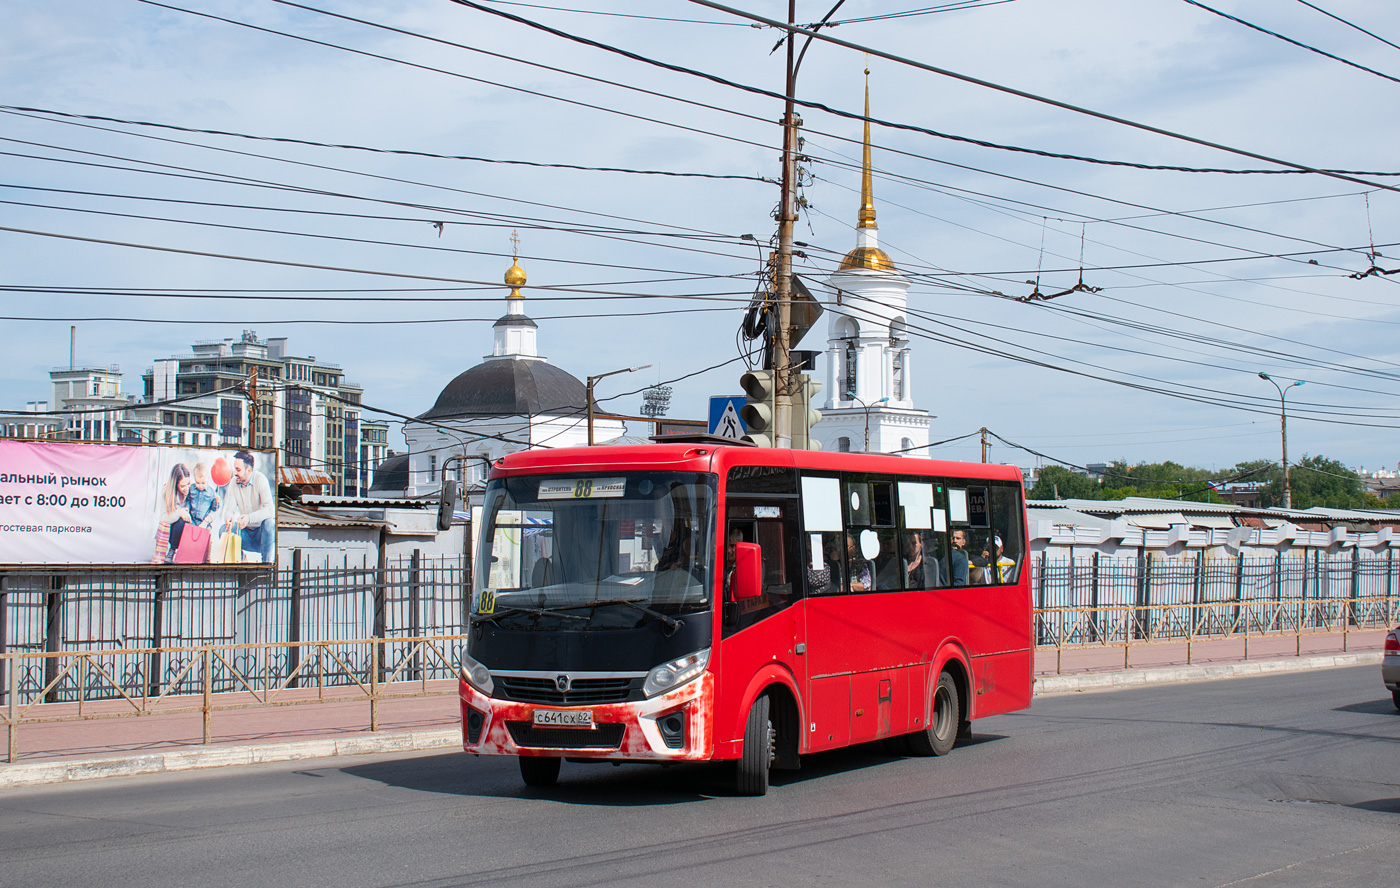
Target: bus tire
x,y
539,771
757,756
943,723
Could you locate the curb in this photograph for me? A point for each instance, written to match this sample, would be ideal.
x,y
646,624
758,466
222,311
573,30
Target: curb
x,y
1050,685
44,773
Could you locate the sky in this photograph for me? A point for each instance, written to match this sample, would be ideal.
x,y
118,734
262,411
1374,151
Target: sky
x,y
643,196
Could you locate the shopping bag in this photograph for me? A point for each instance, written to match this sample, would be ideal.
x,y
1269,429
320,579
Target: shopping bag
x,y
194,545
228,549
162,543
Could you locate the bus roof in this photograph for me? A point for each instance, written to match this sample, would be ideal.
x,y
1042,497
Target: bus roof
x,y
719,458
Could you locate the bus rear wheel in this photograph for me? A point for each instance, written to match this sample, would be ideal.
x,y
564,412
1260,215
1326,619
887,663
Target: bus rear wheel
x,y
942,731
757,756
537,771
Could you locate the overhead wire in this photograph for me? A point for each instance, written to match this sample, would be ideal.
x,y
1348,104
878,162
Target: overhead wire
x,y
974,81
1298,43
401,152
1349,24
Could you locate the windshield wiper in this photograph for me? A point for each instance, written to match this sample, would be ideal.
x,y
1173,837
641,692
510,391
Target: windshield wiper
x,y
672,623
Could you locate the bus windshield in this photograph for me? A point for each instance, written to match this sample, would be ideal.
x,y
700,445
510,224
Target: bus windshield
x,y
595,551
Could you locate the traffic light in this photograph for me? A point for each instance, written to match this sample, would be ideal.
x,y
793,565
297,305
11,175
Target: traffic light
x,y
759,412
804,415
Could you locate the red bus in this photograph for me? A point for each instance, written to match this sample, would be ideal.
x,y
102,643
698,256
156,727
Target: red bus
x,y
701,601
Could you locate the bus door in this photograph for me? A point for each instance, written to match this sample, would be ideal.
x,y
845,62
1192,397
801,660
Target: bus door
x,y
761,506
864,624
827,676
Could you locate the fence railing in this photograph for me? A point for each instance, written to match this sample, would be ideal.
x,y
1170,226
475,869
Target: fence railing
x,y
1155,598
213,678
147,641
270,613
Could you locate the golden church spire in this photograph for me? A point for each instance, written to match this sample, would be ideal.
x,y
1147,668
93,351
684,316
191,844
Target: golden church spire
x,y
867,255
866,216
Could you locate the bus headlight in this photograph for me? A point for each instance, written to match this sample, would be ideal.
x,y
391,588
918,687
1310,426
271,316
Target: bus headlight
x,y
675,673
477,675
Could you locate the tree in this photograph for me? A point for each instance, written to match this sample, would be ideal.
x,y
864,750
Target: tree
x,y
1057,482
1319,481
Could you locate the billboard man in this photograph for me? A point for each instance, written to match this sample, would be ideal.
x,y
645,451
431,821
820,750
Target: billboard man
x,y
252,509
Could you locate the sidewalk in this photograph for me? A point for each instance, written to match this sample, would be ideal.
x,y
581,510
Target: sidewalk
x,y
59,752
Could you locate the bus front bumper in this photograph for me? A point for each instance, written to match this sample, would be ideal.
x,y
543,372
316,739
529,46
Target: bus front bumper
x,y
675,726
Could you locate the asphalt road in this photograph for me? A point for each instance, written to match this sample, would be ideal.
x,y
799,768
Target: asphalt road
x,y
1288,780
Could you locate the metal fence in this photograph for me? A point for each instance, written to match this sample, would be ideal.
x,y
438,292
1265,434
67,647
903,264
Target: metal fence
x,y
220,677
139,630
1092,599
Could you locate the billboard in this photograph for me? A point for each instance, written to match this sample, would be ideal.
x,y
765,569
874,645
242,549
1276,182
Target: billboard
x,y
69,503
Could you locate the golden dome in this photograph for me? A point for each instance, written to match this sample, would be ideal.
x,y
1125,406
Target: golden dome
x,y
872,258
515,279
515,275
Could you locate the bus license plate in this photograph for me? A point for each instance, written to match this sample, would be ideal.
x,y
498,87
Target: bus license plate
x,y
564,718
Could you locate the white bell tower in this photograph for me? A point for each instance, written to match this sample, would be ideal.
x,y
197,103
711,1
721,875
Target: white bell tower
x,y
868,371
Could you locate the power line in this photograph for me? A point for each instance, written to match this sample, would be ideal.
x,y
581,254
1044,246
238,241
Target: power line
x,y
1301,45
1348,24
381,57
407,152
986,84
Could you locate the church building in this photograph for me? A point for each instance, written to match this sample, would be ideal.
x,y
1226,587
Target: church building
x,y
869,379
514,399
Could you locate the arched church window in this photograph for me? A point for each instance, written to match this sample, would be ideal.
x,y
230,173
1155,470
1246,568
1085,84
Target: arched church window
x,y
848,333
899,333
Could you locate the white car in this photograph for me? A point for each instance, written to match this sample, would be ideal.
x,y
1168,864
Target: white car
x,y
1390,664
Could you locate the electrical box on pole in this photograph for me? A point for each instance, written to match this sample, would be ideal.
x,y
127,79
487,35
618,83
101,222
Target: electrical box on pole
x,y
804,415
760,410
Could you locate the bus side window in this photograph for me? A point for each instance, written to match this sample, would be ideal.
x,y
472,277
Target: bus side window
x,y
923,525
1006,524
824,563
773,526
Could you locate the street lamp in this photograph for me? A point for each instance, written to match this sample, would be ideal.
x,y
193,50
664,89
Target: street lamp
x,y
589,395
1283,431
852,396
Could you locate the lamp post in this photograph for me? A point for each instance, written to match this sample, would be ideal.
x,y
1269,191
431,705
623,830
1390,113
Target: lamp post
x,y
852,396
589,395
1283,431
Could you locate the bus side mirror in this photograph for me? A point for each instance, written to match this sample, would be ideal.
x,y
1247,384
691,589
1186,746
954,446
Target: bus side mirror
x,y
748,571
447,503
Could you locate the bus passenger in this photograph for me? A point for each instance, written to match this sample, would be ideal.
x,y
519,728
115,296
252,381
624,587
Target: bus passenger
x,y
959,557
860,579
913,560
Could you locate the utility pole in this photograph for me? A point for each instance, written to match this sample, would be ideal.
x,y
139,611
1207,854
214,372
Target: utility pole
x,y
986,445
1283,391
782,287
252,407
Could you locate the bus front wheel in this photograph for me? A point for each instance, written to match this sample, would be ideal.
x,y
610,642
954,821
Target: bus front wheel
x,y
538,771
757,756
942,731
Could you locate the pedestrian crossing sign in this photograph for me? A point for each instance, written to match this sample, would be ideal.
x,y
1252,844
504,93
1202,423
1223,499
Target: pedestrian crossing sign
x,y
724,416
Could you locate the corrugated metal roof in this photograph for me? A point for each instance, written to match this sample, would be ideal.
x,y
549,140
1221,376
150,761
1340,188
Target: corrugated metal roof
x,y
1157,520
299,476
365,502
291,516
1220,521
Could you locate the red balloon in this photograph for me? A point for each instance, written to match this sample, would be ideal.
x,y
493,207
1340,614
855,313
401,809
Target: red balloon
x,y
220,472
